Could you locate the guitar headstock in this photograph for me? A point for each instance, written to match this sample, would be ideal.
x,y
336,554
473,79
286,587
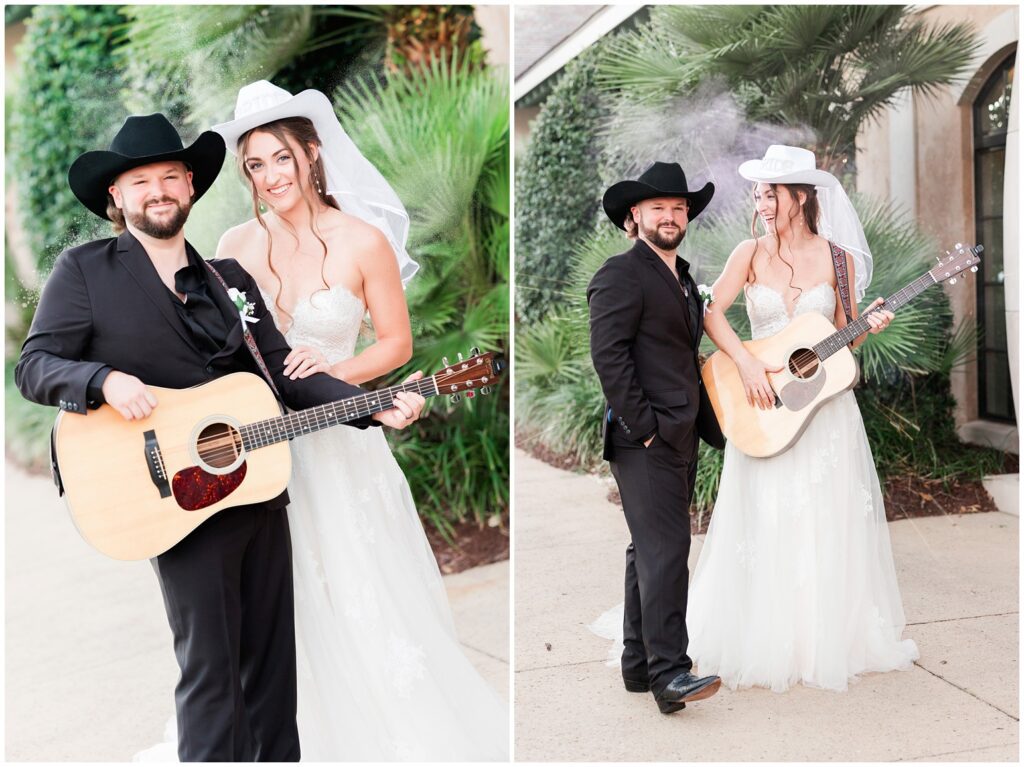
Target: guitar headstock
x,y
961,258
479,371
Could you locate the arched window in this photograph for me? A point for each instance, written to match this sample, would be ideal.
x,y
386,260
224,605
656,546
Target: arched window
x,y
991,116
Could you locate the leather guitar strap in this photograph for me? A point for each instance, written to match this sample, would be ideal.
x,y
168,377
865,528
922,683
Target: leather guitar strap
x,y
249,340
842,279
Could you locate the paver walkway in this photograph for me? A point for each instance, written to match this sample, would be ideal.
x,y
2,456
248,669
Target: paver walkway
x,y
959,580
90,669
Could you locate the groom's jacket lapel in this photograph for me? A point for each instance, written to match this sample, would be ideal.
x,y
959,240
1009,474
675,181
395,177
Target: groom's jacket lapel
x,y
670,279
136,261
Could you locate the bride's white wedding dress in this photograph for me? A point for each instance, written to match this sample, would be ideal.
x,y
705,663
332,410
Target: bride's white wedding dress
x,y
381,674
795,582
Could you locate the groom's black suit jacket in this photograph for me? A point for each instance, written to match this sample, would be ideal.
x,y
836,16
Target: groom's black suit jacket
x,y
105,306
644,339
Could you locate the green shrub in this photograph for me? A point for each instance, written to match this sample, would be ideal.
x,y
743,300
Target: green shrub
x,y
558,188
911,430
441,137
67,103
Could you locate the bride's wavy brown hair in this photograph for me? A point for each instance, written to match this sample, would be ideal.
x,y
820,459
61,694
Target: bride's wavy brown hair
x,y
810,210
293,132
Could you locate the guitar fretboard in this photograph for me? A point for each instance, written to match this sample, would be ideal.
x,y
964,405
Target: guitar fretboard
x,y
841,338
273,430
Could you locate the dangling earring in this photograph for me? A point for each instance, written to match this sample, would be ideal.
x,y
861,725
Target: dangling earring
x,y
316,182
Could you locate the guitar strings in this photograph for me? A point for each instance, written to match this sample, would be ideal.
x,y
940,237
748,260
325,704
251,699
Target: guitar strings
x,y
328,411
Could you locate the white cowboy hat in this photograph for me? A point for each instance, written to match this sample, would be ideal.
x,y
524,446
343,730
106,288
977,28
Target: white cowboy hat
x,y
263,102
785,165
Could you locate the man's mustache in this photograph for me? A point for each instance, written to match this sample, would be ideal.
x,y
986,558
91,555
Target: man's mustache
x,y
162,202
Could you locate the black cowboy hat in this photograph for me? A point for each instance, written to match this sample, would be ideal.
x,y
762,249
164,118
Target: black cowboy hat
x,y
140,141
663,179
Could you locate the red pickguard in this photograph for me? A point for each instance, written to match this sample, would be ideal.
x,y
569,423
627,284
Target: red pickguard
x,y
196,489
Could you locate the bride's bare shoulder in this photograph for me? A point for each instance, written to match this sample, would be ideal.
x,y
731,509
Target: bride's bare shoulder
x,y
360,239
243,243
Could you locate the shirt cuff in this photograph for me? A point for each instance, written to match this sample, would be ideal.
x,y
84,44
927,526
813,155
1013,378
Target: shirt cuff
x,y
94,389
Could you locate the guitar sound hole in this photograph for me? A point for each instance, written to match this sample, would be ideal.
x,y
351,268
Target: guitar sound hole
x,y
803,363
219,445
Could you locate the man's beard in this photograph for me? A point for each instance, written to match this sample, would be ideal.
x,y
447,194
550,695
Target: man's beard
x,y
663,241
162,230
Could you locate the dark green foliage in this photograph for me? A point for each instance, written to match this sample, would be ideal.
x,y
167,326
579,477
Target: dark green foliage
x,y
558,188
457,465
831,67
67,103
910,427
441,137
15,13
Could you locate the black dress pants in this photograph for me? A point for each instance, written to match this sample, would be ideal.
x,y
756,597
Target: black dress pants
x,y
656,486
227,589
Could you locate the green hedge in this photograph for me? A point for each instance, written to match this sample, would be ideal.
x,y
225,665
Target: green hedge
x,y
558,188
67,103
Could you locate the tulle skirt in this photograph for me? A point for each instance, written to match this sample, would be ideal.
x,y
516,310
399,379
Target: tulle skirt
x,y
795,582
381,674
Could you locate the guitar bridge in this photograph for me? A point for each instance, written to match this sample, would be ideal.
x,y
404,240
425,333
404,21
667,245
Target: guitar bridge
x,y
155,463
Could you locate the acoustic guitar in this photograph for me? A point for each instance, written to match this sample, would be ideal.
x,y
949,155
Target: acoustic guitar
x,y
816,363
136,488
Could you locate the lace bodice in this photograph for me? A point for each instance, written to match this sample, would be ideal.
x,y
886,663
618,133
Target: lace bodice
x,y
766,307
329,320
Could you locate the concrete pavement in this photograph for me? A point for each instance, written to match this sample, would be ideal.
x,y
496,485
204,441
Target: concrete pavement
x,y
959,580
90,670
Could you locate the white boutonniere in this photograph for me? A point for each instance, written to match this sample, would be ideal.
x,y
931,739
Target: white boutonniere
x,y
245,308
707,297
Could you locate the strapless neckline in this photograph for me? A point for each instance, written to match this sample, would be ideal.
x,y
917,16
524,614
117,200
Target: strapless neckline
x,y
782,298
308,300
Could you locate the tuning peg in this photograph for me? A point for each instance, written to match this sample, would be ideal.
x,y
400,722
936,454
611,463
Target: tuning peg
x,y
444,362
952,281
455,398
460,356
959,246
485,389
474,352
974,268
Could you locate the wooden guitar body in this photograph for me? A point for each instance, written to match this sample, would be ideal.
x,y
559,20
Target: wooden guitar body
x,y
804,385
136,488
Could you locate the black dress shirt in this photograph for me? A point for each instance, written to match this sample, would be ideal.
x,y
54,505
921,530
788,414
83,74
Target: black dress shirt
x,y
198,312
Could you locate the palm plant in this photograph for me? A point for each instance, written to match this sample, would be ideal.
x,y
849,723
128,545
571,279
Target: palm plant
x,y
212,50
440,135
830,67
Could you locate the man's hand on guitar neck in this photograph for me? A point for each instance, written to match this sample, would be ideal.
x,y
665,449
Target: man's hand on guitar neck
x,y
408,407
128,395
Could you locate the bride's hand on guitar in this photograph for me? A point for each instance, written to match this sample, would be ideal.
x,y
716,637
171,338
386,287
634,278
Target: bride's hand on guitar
x,y
128,395
879,320
754,374
408,407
